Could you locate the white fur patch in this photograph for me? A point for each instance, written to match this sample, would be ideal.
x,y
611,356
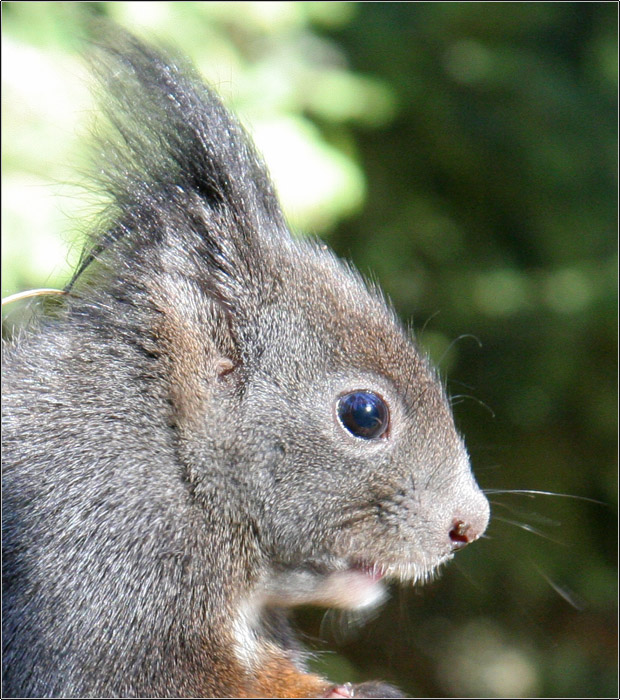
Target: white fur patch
x,y
244,632
351,590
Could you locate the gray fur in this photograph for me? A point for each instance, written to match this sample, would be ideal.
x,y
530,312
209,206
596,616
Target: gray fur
x,y
170,444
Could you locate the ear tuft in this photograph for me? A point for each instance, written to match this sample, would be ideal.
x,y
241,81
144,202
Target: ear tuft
x,y
188,194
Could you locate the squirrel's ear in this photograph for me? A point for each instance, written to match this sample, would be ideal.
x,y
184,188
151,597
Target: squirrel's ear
x,y
185,182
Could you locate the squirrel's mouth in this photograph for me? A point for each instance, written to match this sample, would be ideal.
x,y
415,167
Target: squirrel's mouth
x,y
349,585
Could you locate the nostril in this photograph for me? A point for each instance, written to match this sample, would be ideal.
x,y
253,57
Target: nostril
x,y
461,534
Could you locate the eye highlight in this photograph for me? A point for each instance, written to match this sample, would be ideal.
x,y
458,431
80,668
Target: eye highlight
x,y
364,414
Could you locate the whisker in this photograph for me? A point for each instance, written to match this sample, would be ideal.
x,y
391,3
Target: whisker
x,y
467,575
532,492
542,519
454,342
428,320
530,528
570,597
454,399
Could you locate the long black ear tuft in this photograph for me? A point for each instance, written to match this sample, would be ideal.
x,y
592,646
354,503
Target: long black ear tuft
x,y
181,173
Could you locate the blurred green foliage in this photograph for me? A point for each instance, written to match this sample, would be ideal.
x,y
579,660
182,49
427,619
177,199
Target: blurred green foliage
x,y
464,154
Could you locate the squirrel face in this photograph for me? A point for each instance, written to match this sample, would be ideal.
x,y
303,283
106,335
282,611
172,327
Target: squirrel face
x,y
343,505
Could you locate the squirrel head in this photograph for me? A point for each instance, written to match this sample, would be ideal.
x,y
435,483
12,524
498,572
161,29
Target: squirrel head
x,y
303,412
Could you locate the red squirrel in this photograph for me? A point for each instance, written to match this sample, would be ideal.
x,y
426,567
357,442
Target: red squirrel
x,y
215,423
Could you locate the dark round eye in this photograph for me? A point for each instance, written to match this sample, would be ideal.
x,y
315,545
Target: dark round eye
x,y
363,414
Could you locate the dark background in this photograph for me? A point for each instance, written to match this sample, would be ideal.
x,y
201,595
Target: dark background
x,y
476,147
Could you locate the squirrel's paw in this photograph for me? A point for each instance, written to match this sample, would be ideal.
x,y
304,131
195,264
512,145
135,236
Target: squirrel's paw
x,y
370,689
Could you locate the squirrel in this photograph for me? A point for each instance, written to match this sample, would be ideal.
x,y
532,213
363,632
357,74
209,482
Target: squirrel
x,y
215,423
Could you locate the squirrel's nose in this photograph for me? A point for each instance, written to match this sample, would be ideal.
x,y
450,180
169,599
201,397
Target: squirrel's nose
x,y
463,532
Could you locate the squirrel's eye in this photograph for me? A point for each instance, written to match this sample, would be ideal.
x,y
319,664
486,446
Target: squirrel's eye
x,y
363,414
